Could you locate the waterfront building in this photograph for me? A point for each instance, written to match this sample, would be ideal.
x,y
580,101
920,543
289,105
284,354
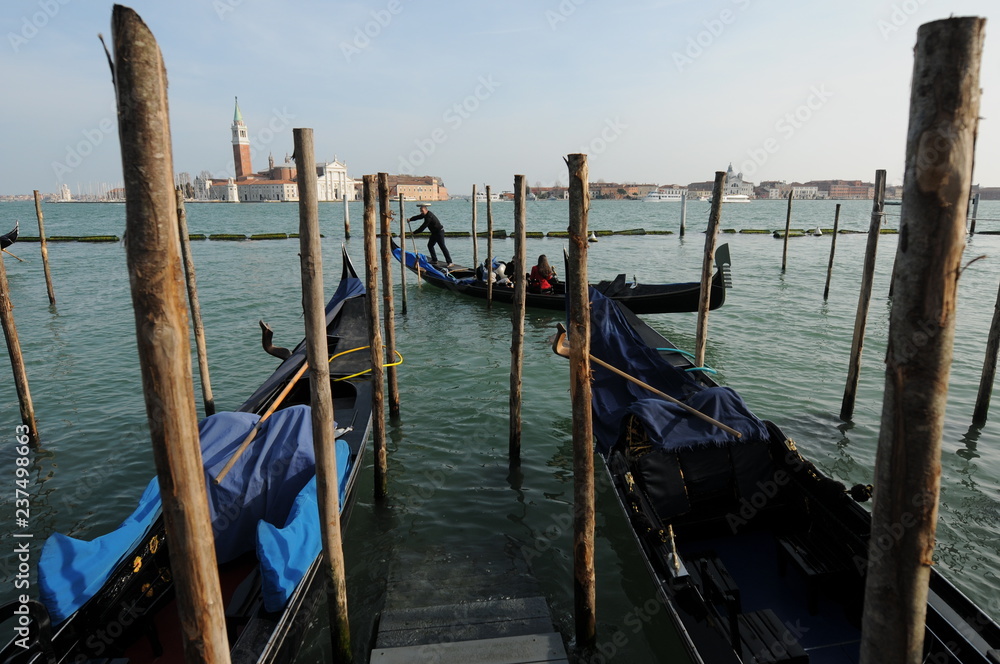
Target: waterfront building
x,y
277,183
736,185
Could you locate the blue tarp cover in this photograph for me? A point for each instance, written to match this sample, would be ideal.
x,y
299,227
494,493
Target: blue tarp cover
x,y
262,486
285,554
425,265
613,340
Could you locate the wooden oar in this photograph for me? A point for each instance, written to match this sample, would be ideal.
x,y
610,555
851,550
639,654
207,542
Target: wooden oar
x,y
416,262
561,348
10,254
256,427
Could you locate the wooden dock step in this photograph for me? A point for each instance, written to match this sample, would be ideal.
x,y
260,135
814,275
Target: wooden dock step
x,y
527,649
448,606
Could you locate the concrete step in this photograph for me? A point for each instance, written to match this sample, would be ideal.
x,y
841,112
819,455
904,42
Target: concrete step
x,y
527,649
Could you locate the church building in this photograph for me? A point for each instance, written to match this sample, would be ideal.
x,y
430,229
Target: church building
x,y
277,183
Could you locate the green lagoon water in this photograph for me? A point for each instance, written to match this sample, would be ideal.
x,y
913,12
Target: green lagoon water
x,y
776,341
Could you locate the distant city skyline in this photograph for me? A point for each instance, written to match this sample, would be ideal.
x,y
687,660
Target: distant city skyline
x,y
659,91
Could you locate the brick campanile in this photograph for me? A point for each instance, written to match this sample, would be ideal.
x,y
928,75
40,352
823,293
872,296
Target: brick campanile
x,y
241,145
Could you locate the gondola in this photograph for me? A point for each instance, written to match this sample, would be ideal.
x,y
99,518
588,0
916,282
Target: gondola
x,y
112,600
10,238
640,298
755,553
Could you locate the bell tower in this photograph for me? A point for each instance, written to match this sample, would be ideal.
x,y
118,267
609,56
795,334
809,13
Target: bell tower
x,y
241,145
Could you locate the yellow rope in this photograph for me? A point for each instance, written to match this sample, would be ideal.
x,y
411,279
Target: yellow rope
x,y
361,373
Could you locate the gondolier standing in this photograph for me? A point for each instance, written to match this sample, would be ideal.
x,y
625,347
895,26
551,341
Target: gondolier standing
x,y
432,224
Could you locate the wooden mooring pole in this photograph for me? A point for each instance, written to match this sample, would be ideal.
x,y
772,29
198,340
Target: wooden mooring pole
x,y
833,250
375,337
402,251
705,296
864,300
154,264
788,224
944,111
489,248
975,214
192,291
16,358
475,237
584,593
45,249
684,211
321,396
389,320
989,369
517,320
347,218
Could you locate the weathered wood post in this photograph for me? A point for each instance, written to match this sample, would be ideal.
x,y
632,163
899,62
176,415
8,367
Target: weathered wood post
x,y
705,296
475,235
489,248
684,211
577,288
45,249
347,218
517,321
944,111
155,274
989,369
375,338
833,250
788,223
192,291
402,250
975,214
16,358
321,396
864,299
389,320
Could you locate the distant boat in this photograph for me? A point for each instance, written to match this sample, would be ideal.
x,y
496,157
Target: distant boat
x,y
481,197
735,198
663,196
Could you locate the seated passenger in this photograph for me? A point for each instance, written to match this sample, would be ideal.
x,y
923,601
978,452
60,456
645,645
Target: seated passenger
x,y
542,276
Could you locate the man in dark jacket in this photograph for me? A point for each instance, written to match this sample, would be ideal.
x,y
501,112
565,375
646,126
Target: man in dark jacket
x,y
432,224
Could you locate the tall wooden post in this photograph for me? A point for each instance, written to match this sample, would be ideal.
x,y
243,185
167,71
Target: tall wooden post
x,y
385,213
16,358
788,223
321,396
402,250
864,299
989,369
833,250
45,249
577,290
944,111
375,338
975,214
705,296
684,211
517,320
154,264
192,291
489,248
347,218
475,235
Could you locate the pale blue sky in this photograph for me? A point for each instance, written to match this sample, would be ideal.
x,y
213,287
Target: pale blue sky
x,y
474,92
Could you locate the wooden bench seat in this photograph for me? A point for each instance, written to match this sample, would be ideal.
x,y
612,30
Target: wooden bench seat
x,y
817,561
